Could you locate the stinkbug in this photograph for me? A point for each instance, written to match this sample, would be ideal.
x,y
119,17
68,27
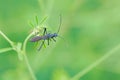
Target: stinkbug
x,y
46,36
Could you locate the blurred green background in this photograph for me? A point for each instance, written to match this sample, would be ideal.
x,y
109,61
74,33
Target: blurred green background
x,y
90,27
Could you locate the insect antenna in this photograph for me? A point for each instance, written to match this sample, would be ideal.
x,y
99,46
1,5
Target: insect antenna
x,y
59,24
66,44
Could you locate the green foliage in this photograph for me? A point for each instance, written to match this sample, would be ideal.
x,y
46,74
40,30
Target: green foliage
x,y
90,27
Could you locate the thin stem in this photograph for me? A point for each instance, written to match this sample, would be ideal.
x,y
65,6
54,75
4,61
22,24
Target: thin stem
x,y
25,42
29,67
26,58
11,42
5,50
103,58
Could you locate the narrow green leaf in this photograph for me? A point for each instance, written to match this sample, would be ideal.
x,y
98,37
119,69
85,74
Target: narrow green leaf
x,y
44,45
31,24
36,20
43,19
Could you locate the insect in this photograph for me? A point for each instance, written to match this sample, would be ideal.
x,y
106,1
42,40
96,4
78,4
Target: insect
x,y
46,36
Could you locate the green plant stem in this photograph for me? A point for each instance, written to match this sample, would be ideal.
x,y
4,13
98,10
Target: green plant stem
x,y
103,58
23,51
25,42
5,49
29,67
26,58
11,42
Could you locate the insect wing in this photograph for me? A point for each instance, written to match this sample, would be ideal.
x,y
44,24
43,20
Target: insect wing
x,y
36,38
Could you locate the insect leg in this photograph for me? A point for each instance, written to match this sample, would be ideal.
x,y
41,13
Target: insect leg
x,y
45,31
48,41
41,45
53,39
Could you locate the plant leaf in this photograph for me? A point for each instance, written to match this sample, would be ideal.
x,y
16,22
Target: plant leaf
x,y
43,19
31,24
36,20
